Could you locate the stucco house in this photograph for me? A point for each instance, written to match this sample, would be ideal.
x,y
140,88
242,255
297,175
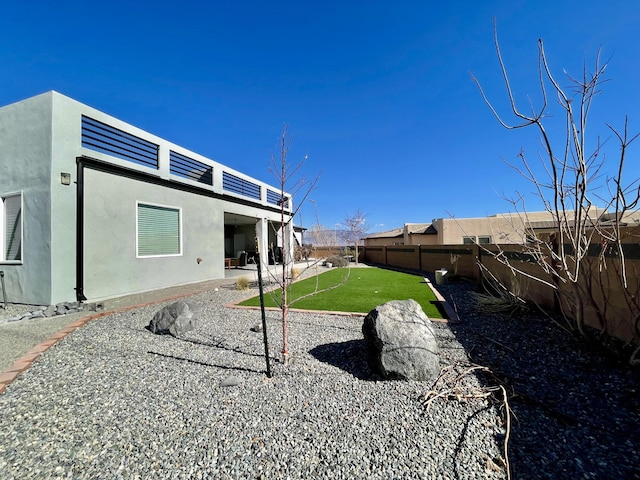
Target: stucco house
x,y
92,207
502,228
409,234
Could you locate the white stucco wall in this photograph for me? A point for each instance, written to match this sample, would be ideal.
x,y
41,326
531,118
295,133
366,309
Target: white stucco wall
x,y
40,138
66,147
111,265
25,150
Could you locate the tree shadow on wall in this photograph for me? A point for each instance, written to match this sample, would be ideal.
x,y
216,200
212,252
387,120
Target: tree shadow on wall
x,y
350,356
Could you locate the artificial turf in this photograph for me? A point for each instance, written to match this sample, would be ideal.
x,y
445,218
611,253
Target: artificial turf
x,y
364,289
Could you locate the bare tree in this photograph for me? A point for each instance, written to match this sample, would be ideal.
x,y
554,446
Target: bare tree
x,y
320,234
586,243
292,184
356,227
323,236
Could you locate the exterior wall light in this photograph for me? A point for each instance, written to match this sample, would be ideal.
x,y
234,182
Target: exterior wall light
x,y
65,178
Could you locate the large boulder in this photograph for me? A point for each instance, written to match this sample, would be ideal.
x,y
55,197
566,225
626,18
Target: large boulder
x,y
401,341
175,319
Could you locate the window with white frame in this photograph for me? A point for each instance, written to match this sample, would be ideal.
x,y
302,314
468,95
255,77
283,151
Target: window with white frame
x,y
481,239
159,230
11,225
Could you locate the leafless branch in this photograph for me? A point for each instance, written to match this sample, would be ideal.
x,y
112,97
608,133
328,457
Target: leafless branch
x,y
570,190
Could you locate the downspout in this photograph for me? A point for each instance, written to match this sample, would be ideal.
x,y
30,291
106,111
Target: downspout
x,y
80,231
4,291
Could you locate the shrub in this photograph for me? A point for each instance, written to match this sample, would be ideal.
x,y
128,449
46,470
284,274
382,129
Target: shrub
x,y
500,302
348,251
242,283
499,299
337,261
302,252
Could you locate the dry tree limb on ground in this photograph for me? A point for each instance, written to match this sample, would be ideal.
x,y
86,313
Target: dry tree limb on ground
x,y
449,386
507,416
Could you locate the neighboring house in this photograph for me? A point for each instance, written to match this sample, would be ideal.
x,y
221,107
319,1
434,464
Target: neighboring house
x,y
92,207
503,228
410,234
448,231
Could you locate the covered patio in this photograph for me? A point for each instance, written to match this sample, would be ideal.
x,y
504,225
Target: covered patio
x,y
250,271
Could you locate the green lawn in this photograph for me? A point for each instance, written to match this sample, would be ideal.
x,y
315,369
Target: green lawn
x,y
365,289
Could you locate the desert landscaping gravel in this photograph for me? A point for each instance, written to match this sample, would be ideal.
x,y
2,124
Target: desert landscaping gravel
x,y
113,400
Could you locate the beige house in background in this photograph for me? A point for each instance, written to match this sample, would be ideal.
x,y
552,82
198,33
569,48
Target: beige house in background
x,y
410,234
502,228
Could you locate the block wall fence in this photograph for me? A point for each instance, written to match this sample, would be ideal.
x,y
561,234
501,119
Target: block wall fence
x,y
465,261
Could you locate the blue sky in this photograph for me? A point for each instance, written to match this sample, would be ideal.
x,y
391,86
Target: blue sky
x,y
376,93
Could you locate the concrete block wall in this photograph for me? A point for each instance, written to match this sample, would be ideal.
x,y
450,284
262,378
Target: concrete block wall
x,y
612,311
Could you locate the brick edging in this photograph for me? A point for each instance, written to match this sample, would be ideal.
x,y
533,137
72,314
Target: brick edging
x,y
23,363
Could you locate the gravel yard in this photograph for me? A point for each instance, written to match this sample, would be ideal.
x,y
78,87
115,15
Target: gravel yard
x,y
112,400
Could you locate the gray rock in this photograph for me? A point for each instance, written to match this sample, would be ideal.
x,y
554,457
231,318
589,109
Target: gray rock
x,y
231,381
65,307
91,307
401,341
175,319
